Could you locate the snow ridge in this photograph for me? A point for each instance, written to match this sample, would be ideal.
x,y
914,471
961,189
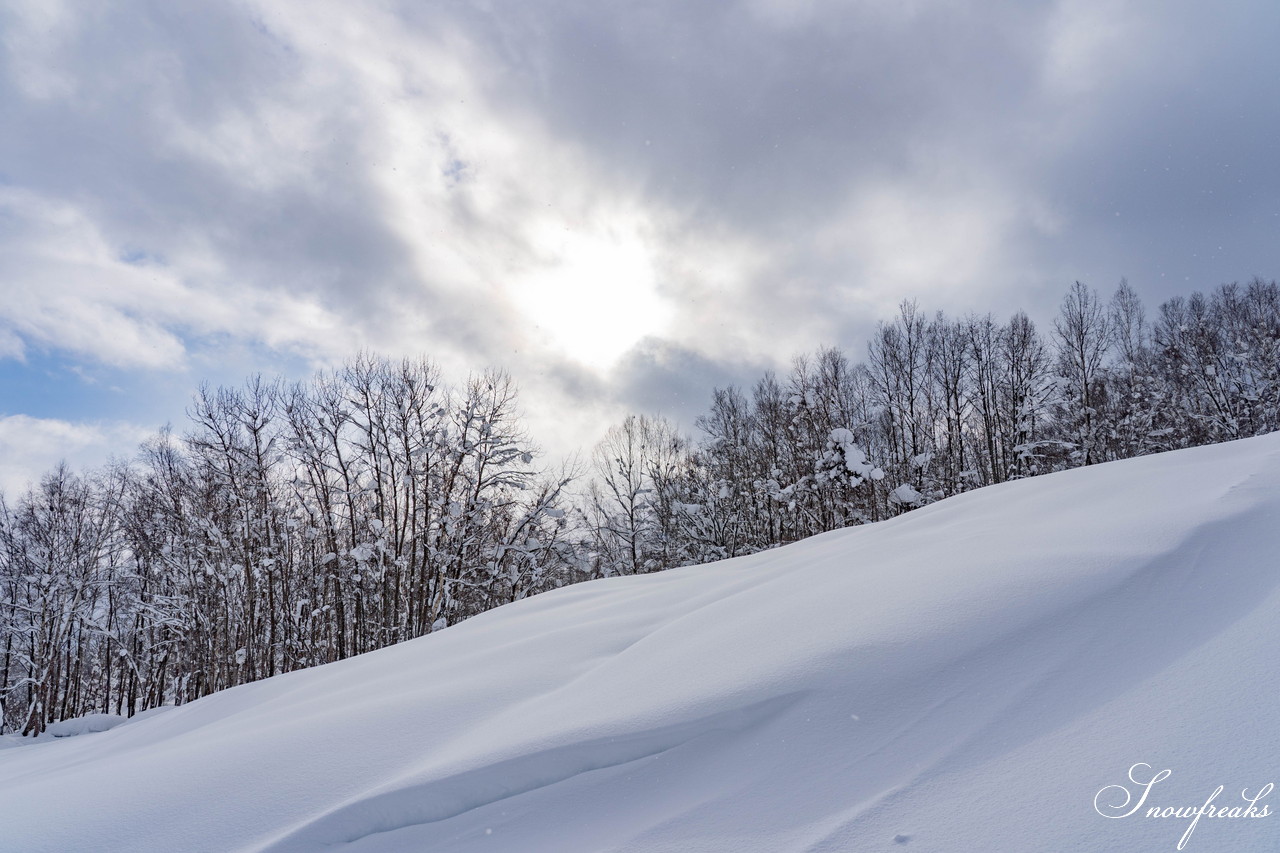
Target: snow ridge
x,y
436,800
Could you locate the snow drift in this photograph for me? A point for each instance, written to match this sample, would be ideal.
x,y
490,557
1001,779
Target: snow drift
x,y
978,675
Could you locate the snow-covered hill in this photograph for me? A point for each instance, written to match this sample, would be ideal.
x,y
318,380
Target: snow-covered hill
x,y
978,675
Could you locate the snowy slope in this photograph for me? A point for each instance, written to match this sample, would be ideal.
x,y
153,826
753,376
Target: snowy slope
x,y
967,677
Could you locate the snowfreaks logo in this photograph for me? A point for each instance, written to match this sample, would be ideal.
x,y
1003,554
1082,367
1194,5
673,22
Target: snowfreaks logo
x,y
1117,801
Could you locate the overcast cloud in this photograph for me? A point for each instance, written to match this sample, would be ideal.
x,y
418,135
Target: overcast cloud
x,y
623,204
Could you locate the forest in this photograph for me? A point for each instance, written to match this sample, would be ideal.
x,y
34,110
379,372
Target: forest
x,y
293,524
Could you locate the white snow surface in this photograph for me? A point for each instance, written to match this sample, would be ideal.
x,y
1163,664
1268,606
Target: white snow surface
x,y
88,724
967,677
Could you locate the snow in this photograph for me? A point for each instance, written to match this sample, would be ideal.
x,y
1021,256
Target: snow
x,y
969,676
906,495
88,724
852,457
840,436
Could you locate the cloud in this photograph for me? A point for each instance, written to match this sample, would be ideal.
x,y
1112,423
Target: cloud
x,y
30,447
68,287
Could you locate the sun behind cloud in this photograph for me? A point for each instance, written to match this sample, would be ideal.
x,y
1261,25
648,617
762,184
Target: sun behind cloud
x,y
596,294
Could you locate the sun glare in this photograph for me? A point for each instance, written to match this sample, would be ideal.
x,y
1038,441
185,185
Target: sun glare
x,y
595,298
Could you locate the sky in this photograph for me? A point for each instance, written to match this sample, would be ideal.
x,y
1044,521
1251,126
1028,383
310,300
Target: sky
x,y
625,205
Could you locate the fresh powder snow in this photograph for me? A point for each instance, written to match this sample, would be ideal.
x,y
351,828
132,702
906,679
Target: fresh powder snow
x,y
993,672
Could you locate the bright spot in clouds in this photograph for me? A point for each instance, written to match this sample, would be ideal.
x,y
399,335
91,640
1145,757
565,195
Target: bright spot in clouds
x,y
595,295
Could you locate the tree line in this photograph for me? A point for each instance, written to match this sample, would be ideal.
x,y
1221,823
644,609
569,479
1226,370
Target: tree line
x,y
296,524
940,406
